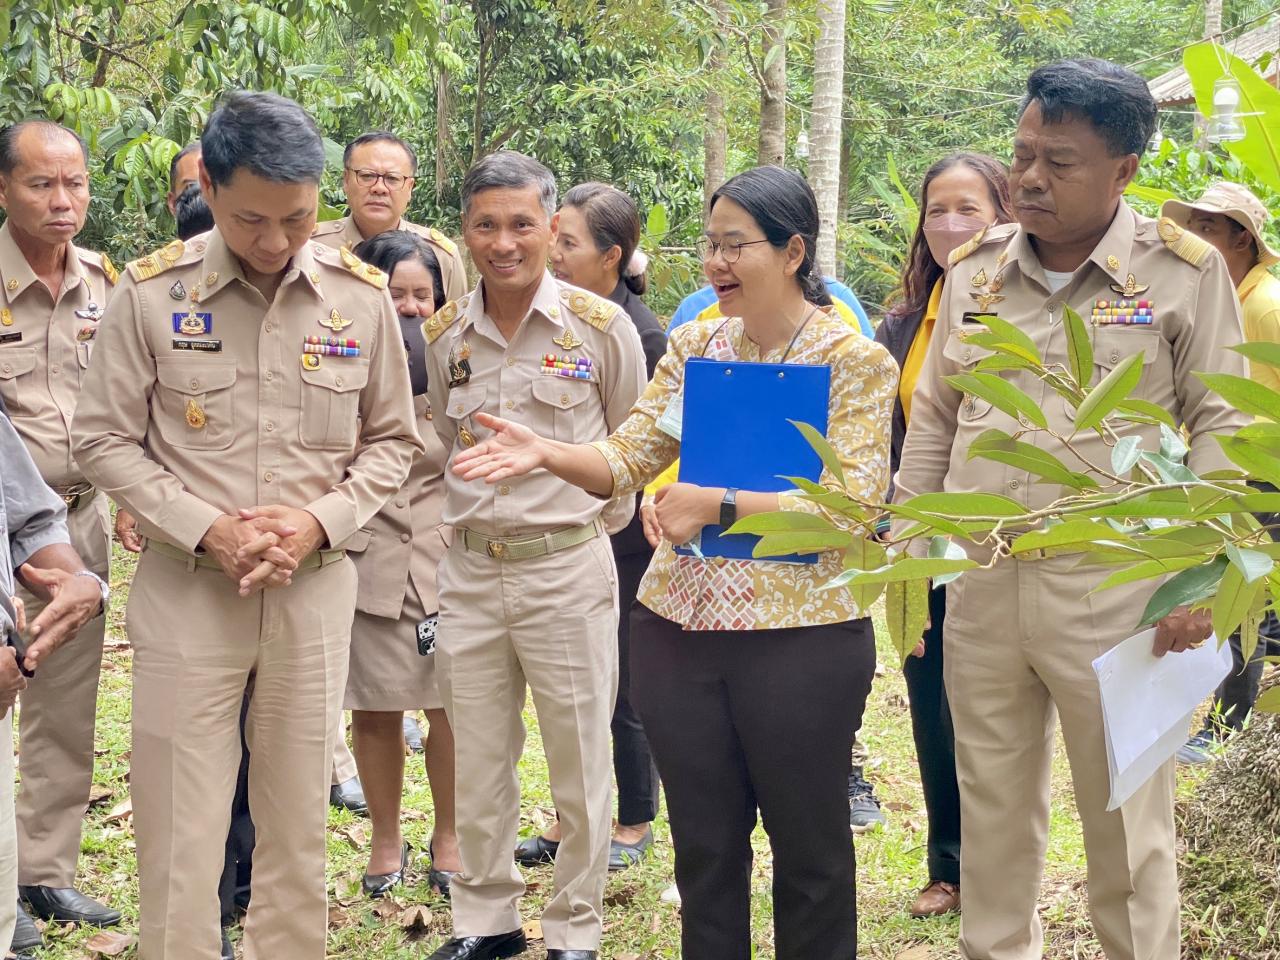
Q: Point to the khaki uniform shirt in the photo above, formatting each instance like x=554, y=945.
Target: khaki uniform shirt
x=404, y=542
x=45, y=343
x=1194, y=318
x=203, y=400
x=507, y=380
x=343, y=232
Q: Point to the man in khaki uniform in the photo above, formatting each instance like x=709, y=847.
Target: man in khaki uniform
x=1021, y=637
x=378, y=177
x=252, y=409
x=528, y=589
x=52, y=294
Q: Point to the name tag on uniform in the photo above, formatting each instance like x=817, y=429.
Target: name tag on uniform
x=203, y=346
x=10, y=337
x=974, y=317
x=672, y=420
x=427, y=635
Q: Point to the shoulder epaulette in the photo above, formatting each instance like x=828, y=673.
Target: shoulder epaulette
x=596, y=311
x=102, y=262
x=443, y=242
x=365, y=271
x=1186, y=245
x=109, y=268
x=326, y=227
x=441, y=320
x=966, y=248
x=156, y=262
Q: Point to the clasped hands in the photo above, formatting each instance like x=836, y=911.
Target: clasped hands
x=262, y=546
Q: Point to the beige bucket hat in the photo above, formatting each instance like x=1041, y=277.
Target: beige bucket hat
x=1231, y=200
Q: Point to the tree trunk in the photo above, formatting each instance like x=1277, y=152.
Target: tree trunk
x=828, y=101
x=714, y=132
x=773, y=88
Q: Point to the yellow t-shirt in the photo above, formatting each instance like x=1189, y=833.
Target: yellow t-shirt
x=1259, y=294
x=914, y=361
x=672, y=473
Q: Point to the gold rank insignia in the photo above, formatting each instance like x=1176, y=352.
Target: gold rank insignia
x=985, y=300
x=578, y=301
x=366, y=272
x=979, y=279
x=466, y=437
x=310, y=361
x=170, y=253
x=196, y=419
x=6, y=317
x=12, y=285
x=1131, y=287
x=110, y=270
x=1113, y=262
x=335, y=321
x=211, y=279
x=567, y=340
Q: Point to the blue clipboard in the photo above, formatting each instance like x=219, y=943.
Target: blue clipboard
x=736, y=433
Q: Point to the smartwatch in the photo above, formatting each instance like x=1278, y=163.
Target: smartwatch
x=729, y=508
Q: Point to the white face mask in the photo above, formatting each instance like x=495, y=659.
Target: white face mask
x=947, y=231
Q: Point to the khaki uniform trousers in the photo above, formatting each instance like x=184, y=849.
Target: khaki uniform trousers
x=550, y=621
x=197, y=645
x=1020, y=641
x=8, y=840
x=56, y=725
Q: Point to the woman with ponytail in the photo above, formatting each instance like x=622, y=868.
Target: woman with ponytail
x=596, y=248
x=750, y=678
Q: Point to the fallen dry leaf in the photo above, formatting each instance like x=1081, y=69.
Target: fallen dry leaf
x=99, y=794
x=338, y=917
x=533, y=930
x=385, y=908
x=915, y=953
x=415, y=919
x=121, y=811
x=110, y=943
x=356, y=836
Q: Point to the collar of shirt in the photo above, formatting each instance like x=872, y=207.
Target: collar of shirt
x=351, y=233
x=1251, y=280
x=1111, y=255
x=546, y=301
x=221, y=266
x=14, y=266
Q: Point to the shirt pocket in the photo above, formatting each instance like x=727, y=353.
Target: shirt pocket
x=967, y=355
x=330, y=408
x=1113, y=347
x=465, y=402
x=193, y=402
x=17, y=380
x=559, y=402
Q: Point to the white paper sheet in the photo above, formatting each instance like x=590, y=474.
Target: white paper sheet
x=1148, y=703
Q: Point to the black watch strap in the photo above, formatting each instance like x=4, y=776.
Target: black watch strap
x=729, y=508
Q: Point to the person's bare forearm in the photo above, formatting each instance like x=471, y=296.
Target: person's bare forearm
x=578, y=464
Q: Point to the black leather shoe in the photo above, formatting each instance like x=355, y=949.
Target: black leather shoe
x=348, y=795
x=571, y=955
x=68, y=905
x=495, y=947
x=26, y=934
x=535, y=850
x=439, y=880
x=377, y=885
x=228, y=951
x=623, y=855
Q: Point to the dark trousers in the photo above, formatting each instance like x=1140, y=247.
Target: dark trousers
x=747, y=720
x=632, y=760
x=237, y=869
x=936, y=746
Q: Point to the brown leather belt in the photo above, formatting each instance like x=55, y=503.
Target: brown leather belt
x=77, y=495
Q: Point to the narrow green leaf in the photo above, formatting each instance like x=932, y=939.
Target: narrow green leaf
x=780, y=521
x=1147, y=570
x=819, y=443
x=1234, y=598
x=1079, y=347
x=657, y=226
x=1144, y=410
x=966, y=504
x=906, y=610
x=799, y=542
x=1106, y=396
x=911, y=568
x=1028, y=457
x=1189, y=586
x=1001, y=394
x=1125, y=454
x=1266, y=352
x=1172, y=445
x=1244, y=394
x=990, y=341
x=1170, y=472
x=1008, y=333
x=865, y=554
x=1252, y=458
x=1252, y=564
x=941, y=548
x=1069, y=534
x=933, y=523
x=1268, y=701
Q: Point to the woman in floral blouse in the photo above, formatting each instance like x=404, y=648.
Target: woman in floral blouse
x=749, y=678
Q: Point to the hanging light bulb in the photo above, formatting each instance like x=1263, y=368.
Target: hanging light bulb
x=802, y=144
x=1225, y=125
x=1156, y=141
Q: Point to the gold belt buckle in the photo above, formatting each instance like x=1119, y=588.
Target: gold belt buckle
x=496, y=549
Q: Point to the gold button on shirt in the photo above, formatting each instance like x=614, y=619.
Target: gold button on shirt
x=45, y=345
x=761, y=594
x=453, y=271
x=197, y=407
x=575, y=410
x=1195, y=317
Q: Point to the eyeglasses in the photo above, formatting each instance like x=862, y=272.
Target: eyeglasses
x=367, y=178
x=708, y=248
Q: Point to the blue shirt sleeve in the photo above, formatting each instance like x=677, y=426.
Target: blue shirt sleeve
x=840, y=290
x=691, y=306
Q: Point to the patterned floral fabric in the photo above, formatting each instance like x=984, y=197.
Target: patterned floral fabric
x=719, y=594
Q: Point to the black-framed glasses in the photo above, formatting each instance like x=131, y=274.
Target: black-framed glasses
x=367, y=178
x=708, y=248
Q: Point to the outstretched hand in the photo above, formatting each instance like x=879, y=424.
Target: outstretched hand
x=512, y=451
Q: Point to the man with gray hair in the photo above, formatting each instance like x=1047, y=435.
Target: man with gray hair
x=251, y=441
x=528, y=588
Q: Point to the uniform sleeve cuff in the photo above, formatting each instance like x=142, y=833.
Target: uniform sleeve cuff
x=336, y=517
x=55, y=534
x=189, y=521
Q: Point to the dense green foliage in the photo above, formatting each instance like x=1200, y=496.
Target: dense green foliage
x=612, y=90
